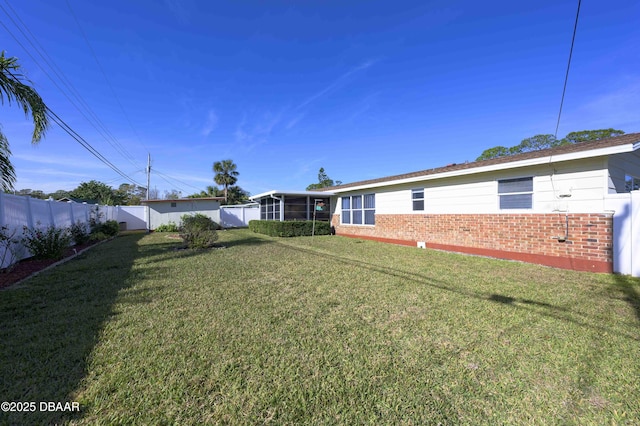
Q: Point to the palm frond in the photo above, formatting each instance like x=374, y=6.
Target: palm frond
x=7, y=172
x=13, y=89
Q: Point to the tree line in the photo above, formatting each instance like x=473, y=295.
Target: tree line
x=538, y=142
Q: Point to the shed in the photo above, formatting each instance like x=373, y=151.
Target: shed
x=161, y=212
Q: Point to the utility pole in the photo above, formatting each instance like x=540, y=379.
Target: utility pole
x=148, y=175
x=148, y=191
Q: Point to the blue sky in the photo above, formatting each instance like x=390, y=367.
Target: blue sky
x=364, y=89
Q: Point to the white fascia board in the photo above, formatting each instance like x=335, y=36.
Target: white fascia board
x=502, y=166
x=294, y=193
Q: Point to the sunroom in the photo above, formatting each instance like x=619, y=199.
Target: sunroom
x=294, y=205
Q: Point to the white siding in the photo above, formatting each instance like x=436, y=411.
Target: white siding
x=621, y=165
x=163, y=213
x=578, y=186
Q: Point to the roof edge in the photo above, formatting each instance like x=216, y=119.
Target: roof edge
x=616, y=145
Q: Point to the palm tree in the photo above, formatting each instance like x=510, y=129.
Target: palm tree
x=14, y=89
x=226, y=175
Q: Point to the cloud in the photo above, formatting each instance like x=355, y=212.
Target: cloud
x=251, y=134
x=340, y=81
x=618, y=109
x=60, y=161
x=179, y=10
x=292, y=122
x=210, y=124
x=363, y=106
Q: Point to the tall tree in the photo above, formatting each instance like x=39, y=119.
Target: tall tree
x=592, y=135
x=14, y=87
x=210, y=192
x=225, y=175
x=132, y=194
x=174, y=194
x=235, y=194
x=324, y=181
x=495, y=152
x=98, y=192
x=538, y=142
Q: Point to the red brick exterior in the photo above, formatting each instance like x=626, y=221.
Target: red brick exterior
x=534, y=238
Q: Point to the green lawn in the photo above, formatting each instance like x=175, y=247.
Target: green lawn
x=324, y=331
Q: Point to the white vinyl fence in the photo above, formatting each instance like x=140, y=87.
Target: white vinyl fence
x=17, y=212
x=626, y=232
x=238, y=216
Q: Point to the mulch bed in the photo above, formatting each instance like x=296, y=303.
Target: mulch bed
x=27, y=267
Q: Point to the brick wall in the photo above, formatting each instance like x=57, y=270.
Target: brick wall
x=535, y=238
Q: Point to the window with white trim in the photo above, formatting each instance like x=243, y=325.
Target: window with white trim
x=269, y=209
x=370, y=209
x=516, y=193
x=359, y=210
x=417, y=198
x=346, y=210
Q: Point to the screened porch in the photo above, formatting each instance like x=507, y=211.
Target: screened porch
x=306, y=205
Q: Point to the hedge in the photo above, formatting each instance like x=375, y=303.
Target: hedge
x=289, y=228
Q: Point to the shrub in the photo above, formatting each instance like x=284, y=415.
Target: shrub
x=49, y=243
x=289, y=228
x=168, y=227
x=110, y=228
x=98, y=236
x=8, y=249
x=198, y=231
x=79, y=233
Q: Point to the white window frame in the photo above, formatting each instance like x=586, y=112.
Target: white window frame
x=514, y=193
x=364, y=212
x=414, y=199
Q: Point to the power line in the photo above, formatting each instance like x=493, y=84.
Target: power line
x=60, y=122
x=104, y=74
x=163, y=176
x=566, y=77
x=95, y=120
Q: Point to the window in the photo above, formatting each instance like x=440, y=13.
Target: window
x=173, y=205
x=516, y=193
x=269, y=209
x=631, y=183
x=356, y=209
x=359, y=209
x=346, y=210
x=417, y=197
x=370, y=209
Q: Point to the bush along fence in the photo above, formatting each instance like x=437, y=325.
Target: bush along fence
x=290, y=228
x=42, y=228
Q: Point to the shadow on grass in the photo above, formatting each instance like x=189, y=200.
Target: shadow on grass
x=542, y=308
x=628, y=287
x=51, y=323
x=248, y=241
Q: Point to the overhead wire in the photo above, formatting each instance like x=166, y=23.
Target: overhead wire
x=95, y=120
x=165, y=177
x=104, y=74
x=60, y=122
x=566, y=77
x=64, y=126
